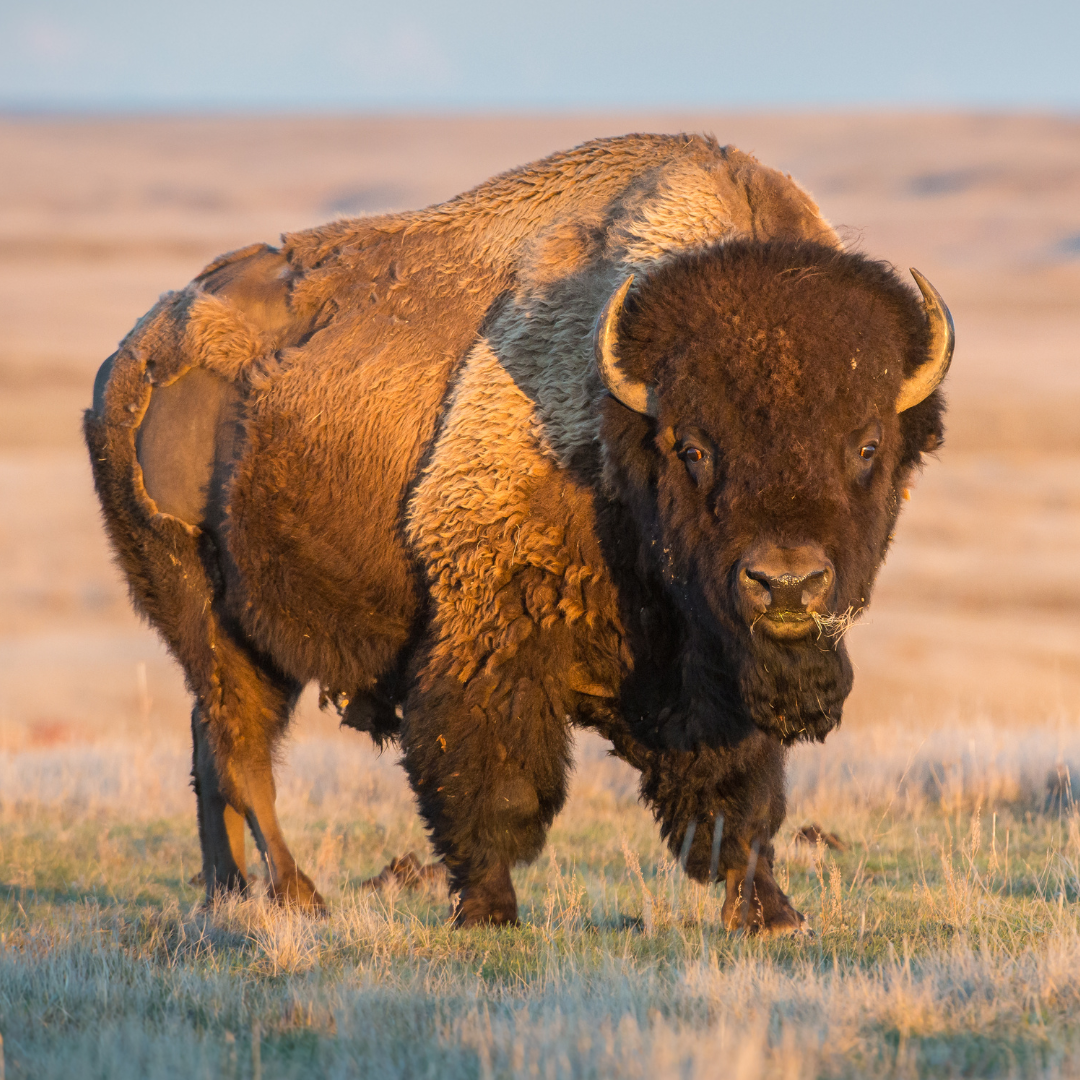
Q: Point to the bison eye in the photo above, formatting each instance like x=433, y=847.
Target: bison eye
x=698, y=464
x=861, y=450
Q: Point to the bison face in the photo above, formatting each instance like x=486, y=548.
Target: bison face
x=765, y=464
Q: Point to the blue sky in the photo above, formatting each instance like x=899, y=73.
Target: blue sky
x=559, y=54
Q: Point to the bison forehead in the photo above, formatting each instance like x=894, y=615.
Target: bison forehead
x=763, y=371
x=770, y=330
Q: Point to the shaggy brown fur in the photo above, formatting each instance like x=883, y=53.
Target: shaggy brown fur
x=419, y=495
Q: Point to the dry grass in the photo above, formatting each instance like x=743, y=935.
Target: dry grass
x=835, y=626
x=947, y=939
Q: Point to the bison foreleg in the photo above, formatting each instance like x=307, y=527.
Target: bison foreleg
x=488, y=761
x=734, y=799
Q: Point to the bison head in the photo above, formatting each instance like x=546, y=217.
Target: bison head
x=770, y=402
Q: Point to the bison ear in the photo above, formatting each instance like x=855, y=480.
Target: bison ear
x=942, y=339
x=633, y=393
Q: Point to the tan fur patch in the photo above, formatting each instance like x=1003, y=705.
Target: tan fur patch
x=688, y=211
x=470, y=522
x=560, y=251
x=219, y=337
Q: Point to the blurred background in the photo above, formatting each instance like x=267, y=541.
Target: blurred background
x=138, y=140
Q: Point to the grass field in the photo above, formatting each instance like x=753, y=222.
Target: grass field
x=947, y=937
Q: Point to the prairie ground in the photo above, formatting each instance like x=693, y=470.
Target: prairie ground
x=946, y=929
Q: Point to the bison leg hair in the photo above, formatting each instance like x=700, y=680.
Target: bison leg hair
x=221, y=827
x=488, y=761
x=733, y=797
x=236, y=730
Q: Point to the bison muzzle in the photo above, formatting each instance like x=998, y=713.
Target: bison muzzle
x=615, y=440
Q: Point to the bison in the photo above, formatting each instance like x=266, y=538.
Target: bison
x=615, y=440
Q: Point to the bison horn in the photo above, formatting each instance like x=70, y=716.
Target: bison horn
x=942, y=338
x=633, y=393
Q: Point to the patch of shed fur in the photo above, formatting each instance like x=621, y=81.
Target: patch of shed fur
x=151, y=354
x=219, y=337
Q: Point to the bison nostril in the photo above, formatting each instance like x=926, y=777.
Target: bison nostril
x=815, y=587
x=771, y=589
x=787, y=592
x=799, y=592
x=756, y=585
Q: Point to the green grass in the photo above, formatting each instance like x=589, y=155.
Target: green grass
x=947, y=935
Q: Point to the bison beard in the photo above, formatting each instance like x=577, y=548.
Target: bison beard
x=733, y=682
x=795, y=692
x=396, y=458
x=729, y=686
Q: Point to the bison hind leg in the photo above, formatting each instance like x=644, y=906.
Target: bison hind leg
x=236, y=727
x=221, y=827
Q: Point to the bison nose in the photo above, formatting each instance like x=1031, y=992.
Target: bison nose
x=777, y=581
x=791, y=592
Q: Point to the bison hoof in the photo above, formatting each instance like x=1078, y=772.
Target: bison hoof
x=790, y=923
x=480, y=913
x=767, y=911
x=784, y=920
x=489, y=901
x=221, y=888
x=298, y=891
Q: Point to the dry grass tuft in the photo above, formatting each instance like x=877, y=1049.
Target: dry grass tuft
x=836, y=625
